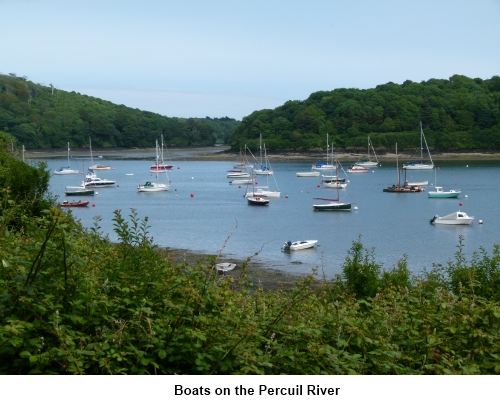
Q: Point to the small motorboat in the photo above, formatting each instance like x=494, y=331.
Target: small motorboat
x=299, y=245
x=225, y=266
x=71, y=204
x=440, y=193
x=456, y=218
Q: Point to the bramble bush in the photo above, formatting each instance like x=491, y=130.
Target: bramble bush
x=71, y=302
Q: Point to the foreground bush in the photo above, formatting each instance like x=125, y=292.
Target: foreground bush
x=73, y=303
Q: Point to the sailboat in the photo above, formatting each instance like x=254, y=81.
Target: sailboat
x=253, y=199
x=96, y=166
x=405, y=188
x=333, y=204
x=264, y=164
x=66, y=169
x=151, y=187
x=440, y=193
x=160, y=166
x=420, y=165
x=367, y=162
x=265, y=191
x=333, y=181
x=324, y=165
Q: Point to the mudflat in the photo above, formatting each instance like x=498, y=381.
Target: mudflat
x=223, y=153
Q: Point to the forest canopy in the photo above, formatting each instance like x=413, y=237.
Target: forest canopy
x=45, y=117
x=457, y=114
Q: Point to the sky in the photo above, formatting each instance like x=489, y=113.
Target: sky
x=218, y=58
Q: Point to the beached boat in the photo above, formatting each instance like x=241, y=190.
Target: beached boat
x=299, y=245
x=223, y=267
x=455, y=218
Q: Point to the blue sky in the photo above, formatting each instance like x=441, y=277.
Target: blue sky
x=229, y=58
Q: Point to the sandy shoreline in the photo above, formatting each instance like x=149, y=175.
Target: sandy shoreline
x=221, y=153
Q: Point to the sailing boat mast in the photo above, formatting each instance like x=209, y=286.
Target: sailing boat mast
x=397, y=164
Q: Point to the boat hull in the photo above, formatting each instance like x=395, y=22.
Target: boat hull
x=418, y=166
x=257, y=201
x=299, y=245
x=334, y=206
x=444, y=194
x=307, y=174
x=152, y=187
x=455, y=218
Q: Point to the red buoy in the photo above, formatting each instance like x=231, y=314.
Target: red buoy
x=192, y=195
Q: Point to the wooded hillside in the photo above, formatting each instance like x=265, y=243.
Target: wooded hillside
x=457, y=114
x=45, y=117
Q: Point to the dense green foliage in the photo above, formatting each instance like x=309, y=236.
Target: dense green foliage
x=71, y=302
x=44, y=117
x=457, y=114
x=23, y=188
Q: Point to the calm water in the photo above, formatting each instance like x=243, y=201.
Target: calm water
x=394, y=224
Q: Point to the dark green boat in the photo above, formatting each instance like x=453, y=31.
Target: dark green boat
x=77, y=191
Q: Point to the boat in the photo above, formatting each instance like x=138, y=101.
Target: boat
x=71, y=204
x=92, y=181
x=160, y=166
x=333, y=204
x=264, y=169
x=299, y=245
x=405, y=188
x=368, y=162
x=96, y=166
x=419, y=164
x=74, y=191
x=455, y=218
x=263, y=191
x=257, y=201
x=254, y=199
x=153, y=186
x=243, y=163
x=67, y=169
x=357, y=169
x=238, y=175
x=418, y=183
x=325, y=165
x=440, y=193
x=308, y=174
x=223, y=267
x=333, y=182
x=238, y=182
